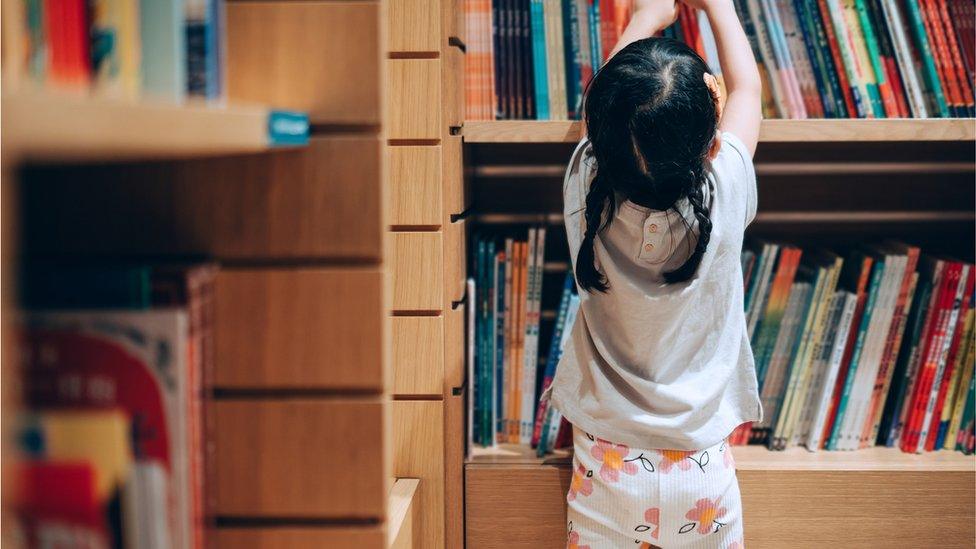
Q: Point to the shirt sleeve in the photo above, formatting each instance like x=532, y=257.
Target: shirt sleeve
x=736, y=169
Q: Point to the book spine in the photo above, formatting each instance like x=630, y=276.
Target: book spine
x=571, y=43
x=845, y=46
x=955, y=59
x=539, y=62
x=812, y=39
x=887, y=96
x=848, y=89
x=802, y=62
x=959, y=403
x=903, y=59
x=553, y=358
x=957, y=358
x=836, y=355
x=930, y=72
x=860, y=50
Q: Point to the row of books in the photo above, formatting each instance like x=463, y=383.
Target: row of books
x=532, y=59
x=164, y=49
x=504, y=342
x=875, y=347
x=115, y=361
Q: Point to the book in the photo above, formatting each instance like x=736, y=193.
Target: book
x=163, y=64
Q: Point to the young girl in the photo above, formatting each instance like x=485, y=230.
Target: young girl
x=658, y=371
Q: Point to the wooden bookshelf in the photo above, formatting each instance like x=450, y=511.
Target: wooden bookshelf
x=773, y=131
x=46, y=127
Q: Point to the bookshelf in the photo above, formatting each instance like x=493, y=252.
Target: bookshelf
x=821, y=182
x=48, y=127
x=773, y=131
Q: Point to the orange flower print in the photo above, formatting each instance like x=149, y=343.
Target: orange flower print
x=675, y=458
x=573, y=542
x=613, y=456
x=653, y=519
x=736, y=545
x=581, y=484
x=706, y=514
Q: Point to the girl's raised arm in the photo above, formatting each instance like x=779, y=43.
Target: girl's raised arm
x=743, y=107
x=650, y=16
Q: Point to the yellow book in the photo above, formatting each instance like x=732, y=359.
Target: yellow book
x=100, y=438
x=965, y=368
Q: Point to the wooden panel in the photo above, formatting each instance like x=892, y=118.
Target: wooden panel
x=782, y=508
x=403, y=509
x=323, y=201
x=415, y=99
x=293, y=537
x=300, y=328
x=418, y=452
x=289, y=458
x=453, y=85
x=418, y=355
x=415, y=183
x=454, y=470
x=456, y=196
x=414, y=25
x=453, y=18
x=454, y=348
x=299, y=55
x=455, y=261
x=418, y=271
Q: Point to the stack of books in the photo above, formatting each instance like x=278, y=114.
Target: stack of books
x=115, y=361
x=872, y=347
x=161, y=49
x=532, y=59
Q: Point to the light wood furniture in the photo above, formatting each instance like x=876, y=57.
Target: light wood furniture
x=427, y=233
x=821, y=183
x=300, y=435
x=402, y=514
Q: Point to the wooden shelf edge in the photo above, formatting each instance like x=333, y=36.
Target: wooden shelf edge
x=42, y=126
x=758, y=458
x=773, y=131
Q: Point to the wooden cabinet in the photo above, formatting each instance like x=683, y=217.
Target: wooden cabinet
x=418, y=271
x=307, y=55
x=418, y=355
x=414, y=99
x=308, y=328
x=414, y=25
x=417, y=193
x=300, y=458
x=418, y=452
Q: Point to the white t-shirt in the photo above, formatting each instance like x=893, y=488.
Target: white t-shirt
x=657, y=365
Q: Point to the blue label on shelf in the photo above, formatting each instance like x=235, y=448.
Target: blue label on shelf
x=287, y=128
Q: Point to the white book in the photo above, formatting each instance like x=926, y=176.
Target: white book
x=877, y=335
x=943, y=356
x=825, y=391
x=903, y=56
x=818, y=369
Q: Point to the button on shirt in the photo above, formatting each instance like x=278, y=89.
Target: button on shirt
x=657, y=365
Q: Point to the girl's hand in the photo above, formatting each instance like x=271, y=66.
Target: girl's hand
x=698, y=4
x=656, y=13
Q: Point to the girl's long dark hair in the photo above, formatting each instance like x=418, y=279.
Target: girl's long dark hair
x=651, y=120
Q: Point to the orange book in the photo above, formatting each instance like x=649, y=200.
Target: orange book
x=518, y=328
x=940, y=54
x=955, y=57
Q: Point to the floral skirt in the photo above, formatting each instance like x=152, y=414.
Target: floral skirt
x=622, y=497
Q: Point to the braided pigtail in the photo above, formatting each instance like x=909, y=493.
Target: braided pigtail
x=697, y=200
x=597, y=199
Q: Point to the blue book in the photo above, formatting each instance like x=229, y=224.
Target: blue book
x=202, y=41
x=596, y=47
x=540, y=70
x=571, y=46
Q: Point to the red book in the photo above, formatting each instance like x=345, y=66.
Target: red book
x=963, y=14
x=940, y=54
x=955, y=60
x=929, y=357
x=950, y=362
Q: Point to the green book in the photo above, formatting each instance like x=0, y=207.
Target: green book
x=929, y=72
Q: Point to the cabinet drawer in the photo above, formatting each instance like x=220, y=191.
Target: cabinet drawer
x=418, y=271
x=415, y=99
x=320, y=57
x=299, y=328
x=299, y=458
x=418, y=452
x=288, y=537
x=321, y=201
x=414, y=25
x=416, y=185
x=418, y=355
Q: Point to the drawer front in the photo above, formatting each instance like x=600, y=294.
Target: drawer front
x=418, y=271
x=415, y=99
x=418, y=452
x=290, y=458
x=416, y=185
x=418, y=355
x=414, y=25
x=299, y=328
x=333, y=537
x=307, y=56
x=323, y=201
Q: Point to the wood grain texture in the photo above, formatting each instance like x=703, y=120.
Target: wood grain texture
x=298, y=55
x=324, y=202
x=402, y=514
x=293, y=537
x=452, y=84
x=292, y=458
x=454, y=408
x=299, y=328
x=414, y=25
x=782, y=508
x=454, y=349
x=416, y=185
x=414, y=109
x=418, y=271
x=418, y=452
x=418, y=355
x=455, y=261
x=452, y=20
x=457, y=197
x=773, y=131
